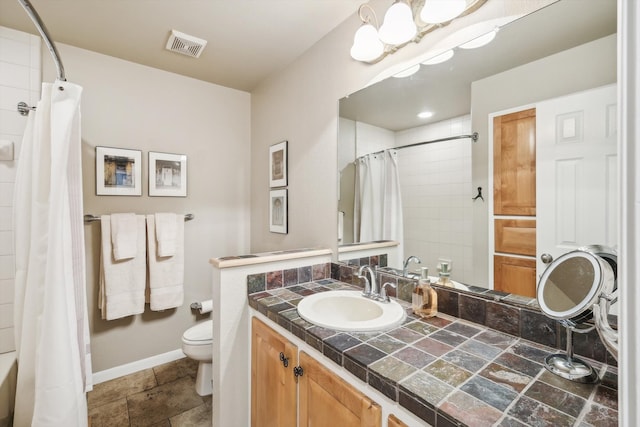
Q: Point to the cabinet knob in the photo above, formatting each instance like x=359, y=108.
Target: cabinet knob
x=298, y=371
x=284, y=360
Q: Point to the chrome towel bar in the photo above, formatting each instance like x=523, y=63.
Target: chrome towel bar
x=92, y=218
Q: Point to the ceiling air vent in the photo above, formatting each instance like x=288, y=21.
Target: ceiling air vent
x=185, y=44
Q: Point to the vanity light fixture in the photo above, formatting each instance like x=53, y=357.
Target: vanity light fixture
x=398, y=26
x=366, y=43
x=439, y=11
x=372, y=41
x=480, y=41
x=439, y=58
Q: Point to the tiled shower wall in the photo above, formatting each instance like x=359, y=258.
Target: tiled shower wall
x=20, y=80
x=436, y=195
x=436, y=189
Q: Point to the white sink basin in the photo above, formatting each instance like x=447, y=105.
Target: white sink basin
x=350, y=311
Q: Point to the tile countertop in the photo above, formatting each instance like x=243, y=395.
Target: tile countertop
x=448, y=371
x=265, y=257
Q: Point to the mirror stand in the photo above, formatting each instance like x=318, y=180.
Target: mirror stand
x=567, y=365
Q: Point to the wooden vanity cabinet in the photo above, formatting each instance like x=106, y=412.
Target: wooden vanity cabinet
x=393, y=421
x=273, y=385
x=324, y=399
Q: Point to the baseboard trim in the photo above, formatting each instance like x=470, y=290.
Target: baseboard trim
x=138, y=365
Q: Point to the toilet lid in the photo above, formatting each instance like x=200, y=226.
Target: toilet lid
x=200, y=332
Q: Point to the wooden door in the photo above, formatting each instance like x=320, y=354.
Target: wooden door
x=578, y=193
x=515, y=236
x=273, y=386
x=328, y=401
x=515, y=275
x=514, y=163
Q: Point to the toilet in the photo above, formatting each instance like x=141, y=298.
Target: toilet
x=196, y=344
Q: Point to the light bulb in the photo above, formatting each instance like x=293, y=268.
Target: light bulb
x=366, y=44
x=398, y=26
x=437, y=11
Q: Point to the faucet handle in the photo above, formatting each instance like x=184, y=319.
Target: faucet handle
x=367, y=286
x=383, y=292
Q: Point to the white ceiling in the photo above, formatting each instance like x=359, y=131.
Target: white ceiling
x=248, y=40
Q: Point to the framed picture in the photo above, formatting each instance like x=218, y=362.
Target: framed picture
x=118, y=172
x=167, y=174
x=278, y=165
x=278, y=211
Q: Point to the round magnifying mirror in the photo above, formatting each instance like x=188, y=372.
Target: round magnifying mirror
x=569, y=290
x=572, y=283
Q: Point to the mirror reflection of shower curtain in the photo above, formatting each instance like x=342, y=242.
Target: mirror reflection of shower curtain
x=378, y=202
x=50, y=307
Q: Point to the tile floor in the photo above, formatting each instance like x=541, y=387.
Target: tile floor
x=163, y=396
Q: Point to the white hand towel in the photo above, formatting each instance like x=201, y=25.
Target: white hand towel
x=165, y=233
x=122, y=283
x=166, y=274
x=124, y=235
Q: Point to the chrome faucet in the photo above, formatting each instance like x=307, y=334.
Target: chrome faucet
x=370, y=286
x=405, y=267
x=384, y=297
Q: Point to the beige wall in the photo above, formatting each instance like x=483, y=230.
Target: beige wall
x=587, y=66
x=130, y=106
x=300, y=104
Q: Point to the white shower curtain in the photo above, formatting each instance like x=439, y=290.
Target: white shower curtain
x=378, y=202
x=51, y=325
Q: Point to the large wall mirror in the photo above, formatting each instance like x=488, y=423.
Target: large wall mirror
x=562, y=49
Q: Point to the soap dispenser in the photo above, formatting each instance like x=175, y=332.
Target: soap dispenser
x=424, y=300
x=444, y=273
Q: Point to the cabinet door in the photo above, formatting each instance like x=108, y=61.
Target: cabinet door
x=514, y=163
x=393, y=421
x=328, y=401
x=515, y=236
x=515, y=275
x=273, y=386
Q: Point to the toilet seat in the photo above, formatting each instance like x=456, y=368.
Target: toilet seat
x=200, y=334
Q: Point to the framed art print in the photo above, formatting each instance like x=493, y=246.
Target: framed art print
x=167, y=174
x=278, y=211
x=118, y=172
x=278, y=165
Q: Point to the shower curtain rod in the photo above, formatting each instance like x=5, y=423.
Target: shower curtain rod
x=23, y=107
x=473, y=136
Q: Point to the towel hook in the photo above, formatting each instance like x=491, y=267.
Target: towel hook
x=479, y=195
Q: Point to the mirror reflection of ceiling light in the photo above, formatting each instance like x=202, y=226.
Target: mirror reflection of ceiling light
x=425, y=114
x=438, y=11
x=480, y=41
x=408, y=72
x=442, y=57
x=398, y=26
